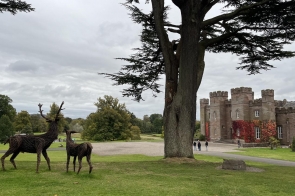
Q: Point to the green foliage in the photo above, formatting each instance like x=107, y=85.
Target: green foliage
x=254, y=30
x=22, y=123
x=62, y=123
x=142, y=175
x=14, y=6
x=135, y=133
x=202, y=137
x=273, y=142
x=157, y=122
x=6, y=128
x=110, y=122
x=39, y=124
x=6, y=108
x=77, y=125
x=293, y=144
x=150, y=124
x=198, y=126
x=27, y=130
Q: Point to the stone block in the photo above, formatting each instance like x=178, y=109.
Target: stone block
x=233, y=164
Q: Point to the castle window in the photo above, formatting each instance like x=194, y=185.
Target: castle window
x=280, y=132
x=230, y=114
x=214, y=115
x=257, y=132
x=256, y=113
x=238, y=132
x=209, y=116
x=237, y=114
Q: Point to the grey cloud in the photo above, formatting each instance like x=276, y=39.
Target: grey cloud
x=22, y=66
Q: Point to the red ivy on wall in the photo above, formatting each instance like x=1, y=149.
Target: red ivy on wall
x=268, y=129
x=207, y=132
x=247, y=130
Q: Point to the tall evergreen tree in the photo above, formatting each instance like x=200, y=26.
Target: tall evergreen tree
x=255, y=30
x=14, y=6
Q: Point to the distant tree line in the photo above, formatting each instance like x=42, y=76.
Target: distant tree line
x=111, y=121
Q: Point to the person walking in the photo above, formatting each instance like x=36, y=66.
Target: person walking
x=206, y=144
x=195, y=146
x=199, y=145
x=239, y=143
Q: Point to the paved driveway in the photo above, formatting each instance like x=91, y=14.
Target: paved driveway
x=149, y=148
x=157, y=149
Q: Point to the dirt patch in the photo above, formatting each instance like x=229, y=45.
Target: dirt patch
x=180, y=160
x=248, y=169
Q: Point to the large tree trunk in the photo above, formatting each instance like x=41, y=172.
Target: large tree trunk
x=183, y=77
x=180, y=114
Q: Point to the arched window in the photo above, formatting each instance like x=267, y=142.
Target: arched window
x=214, y=115
x=237, y=114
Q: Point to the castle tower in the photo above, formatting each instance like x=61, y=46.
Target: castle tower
x=217, y=114
x=268, y=105
x=240, y=98
x=204, y=115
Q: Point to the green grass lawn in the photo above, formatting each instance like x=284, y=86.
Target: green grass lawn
x=279, y=153
x=142, y=175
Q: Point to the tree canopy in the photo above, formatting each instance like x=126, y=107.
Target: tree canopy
x=255, y=30
x=6, y=108
x=14, y=6
x=22, y=123
x=111, y=121
x=62, y=124
x=6, y=128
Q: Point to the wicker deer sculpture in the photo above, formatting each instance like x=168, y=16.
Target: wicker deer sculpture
x=78, y=150
x=33, y=144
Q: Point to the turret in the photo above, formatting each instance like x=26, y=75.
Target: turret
x=268, y=104
x=204, y=104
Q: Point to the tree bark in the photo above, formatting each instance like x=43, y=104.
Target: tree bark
x=180, y=113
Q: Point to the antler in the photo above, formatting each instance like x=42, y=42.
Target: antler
x=60, y=108
x=40, y=106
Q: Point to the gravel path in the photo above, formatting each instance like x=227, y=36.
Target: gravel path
x=157, y=149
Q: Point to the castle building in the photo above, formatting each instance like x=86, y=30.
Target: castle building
x=230, y=119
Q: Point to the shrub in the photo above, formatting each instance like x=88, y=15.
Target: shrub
x=273, y=142
x=293, y=144
x=202, y=137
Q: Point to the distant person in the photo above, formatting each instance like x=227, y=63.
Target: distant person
x=199, y=145
x=239, y=143
x=195, y=146
x=206, y=144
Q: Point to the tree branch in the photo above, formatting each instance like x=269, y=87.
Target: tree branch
x=239, y=11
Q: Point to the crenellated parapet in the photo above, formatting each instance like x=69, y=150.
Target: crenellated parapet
x=204, y=101
x=281, y=110
x=256, y=102
x=219, y=94
x=267, y=92
x=241, y=90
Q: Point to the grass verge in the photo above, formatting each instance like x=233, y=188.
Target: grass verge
x=142, y=175
x=279, y=153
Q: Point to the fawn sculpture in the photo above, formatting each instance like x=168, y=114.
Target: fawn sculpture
x=80, y=150
x=32, y=143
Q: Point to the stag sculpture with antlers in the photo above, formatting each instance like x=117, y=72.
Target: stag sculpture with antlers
x=33, y=144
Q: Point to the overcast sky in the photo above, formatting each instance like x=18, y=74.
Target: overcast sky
x=54, y=54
